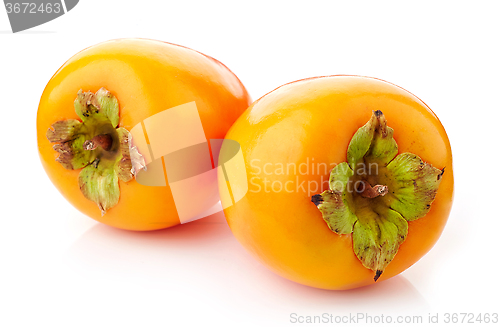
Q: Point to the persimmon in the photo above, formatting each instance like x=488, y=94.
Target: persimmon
x=344, y=181
x=125, y=128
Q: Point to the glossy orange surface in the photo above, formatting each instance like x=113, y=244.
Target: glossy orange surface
x=307, y=124
x=146, y=77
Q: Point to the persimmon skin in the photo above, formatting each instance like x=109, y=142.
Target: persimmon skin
x=313, y=120
x=147, y=77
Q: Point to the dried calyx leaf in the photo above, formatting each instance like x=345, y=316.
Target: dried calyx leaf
x=95, y=144
x=376, y=192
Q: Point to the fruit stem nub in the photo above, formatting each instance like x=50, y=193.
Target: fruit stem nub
x=105, y=141
x=367, y=191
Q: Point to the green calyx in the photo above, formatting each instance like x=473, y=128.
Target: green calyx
x=97, y=146
x=376, y=193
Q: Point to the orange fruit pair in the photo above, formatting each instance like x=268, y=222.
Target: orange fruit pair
x=333, y=182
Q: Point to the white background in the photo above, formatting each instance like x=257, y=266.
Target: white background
x=60, y=268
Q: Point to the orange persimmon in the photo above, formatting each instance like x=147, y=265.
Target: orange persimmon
x=304, y=200
x=128, y=108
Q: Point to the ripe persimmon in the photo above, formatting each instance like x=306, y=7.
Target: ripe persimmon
x=344, y=181
x=125, y=127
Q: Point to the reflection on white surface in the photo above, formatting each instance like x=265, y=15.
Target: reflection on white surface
x=203, y=259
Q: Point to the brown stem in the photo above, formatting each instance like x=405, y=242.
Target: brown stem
x=367, y=191
x=105, y=141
